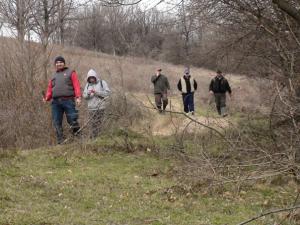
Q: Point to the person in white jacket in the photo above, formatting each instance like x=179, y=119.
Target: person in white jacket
x=96, y=92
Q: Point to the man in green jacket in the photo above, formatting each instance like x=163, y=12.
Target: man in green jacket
x=161, y=87
x=218, y=87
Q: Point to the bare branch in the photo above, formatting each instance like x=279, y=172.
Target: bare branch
x=288, y=8
x=268, y=213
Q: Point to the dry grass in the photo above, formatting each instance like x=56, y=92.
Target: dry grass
x=136, y=74
x=26, y=121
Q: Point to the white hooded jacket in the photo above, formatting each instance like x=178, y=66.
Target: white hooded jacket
x=98, y=99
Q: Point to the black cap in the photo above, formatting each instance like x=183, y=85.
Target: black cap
x=219, y=72
x=60, y=59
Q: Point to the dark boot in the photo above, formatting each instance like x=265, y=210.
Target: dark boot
x=76, y=129
x=159, y=108
x=59, y=135
x=219, y=110
x=165, y=103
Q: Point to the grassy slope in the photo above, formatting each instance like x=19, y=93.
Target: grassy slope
x=74, y=185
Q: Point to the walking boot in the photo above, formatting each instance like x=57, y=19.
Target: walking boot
x=59, y=134
x=219, y=111
x=223, y=112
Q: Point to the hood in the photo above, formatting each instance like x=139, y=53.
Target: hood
x=92, y=73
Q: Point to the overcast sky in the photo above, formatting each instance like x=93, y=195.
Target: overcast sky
x=161, y=5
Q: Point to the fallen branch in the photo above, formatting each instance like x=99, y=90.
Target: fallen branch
x=268, y=213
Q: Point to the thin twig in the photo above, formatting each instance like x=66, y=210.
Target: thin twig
x=87, y=122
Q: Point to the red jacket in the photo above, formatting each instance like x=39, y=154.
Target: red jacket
x=76, y=86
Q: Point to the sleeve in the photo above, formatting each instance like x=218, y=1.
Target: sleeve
x=228, y=87
x=211, y=85
x=179, y=85
x=48, y=96
x=195, y=85
x=153, y=79
x=85, y=92
x=103, y=92
x=76, y=84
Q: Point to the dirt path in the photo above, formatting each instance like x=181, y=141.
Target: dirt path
x=171, y=123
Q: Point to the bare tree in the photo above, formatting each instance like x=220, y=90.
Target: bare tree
x=17, y=14
x=114, y=3
x=264, y=36
x=289, y=7
x=186, y=29
x=119, y=30
x=49, y=17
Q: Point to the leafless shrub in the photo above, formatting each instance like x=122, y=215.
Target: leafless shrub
x=21, y=96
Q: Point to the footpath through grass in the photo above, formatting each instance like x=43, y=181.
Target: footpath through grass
x=73, y=185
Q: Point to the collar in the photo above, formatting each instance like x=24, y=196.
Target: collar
x=62, y=69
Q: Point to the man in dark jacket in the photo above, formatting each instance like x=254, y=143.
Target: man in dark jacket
x=187, y=85
x=161, y=87
x=218, y=87
x=64, y=91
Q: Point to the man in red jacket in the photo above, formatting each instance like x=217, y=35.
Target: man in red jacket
x=64, y=91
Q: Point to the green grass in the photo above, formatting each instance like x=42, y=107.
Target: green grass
x=74, y=185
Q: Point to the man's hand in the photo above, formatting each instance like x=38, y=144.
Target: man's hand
x=211, y=92
x=44, y=98
x=78, y=101
x=91, y=93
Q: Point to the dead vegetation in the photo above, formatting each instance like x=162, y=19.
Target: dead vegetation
x=26, y=121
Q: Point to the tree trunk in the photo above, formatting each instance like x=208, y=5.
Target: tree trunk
x=288, y=8
x=20, y=4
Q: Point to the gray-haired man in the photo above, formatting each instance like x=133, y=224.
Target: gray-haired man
x=161, y=87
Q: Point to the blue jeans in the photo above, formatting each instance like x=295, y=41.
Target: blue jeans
x=188, y=102
x=59, y=107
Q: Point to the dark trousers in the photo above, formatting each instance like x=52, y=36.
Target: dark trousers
x=161, y=100
x=188, y=102
x=96, y=119
x=59, y=108
x=220, y=99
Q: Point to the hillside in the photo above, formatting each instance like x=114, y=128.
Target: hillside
x=145, y=168
x=131, y=164
x=97, y=184
x=131, y=76
x=128, y=78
